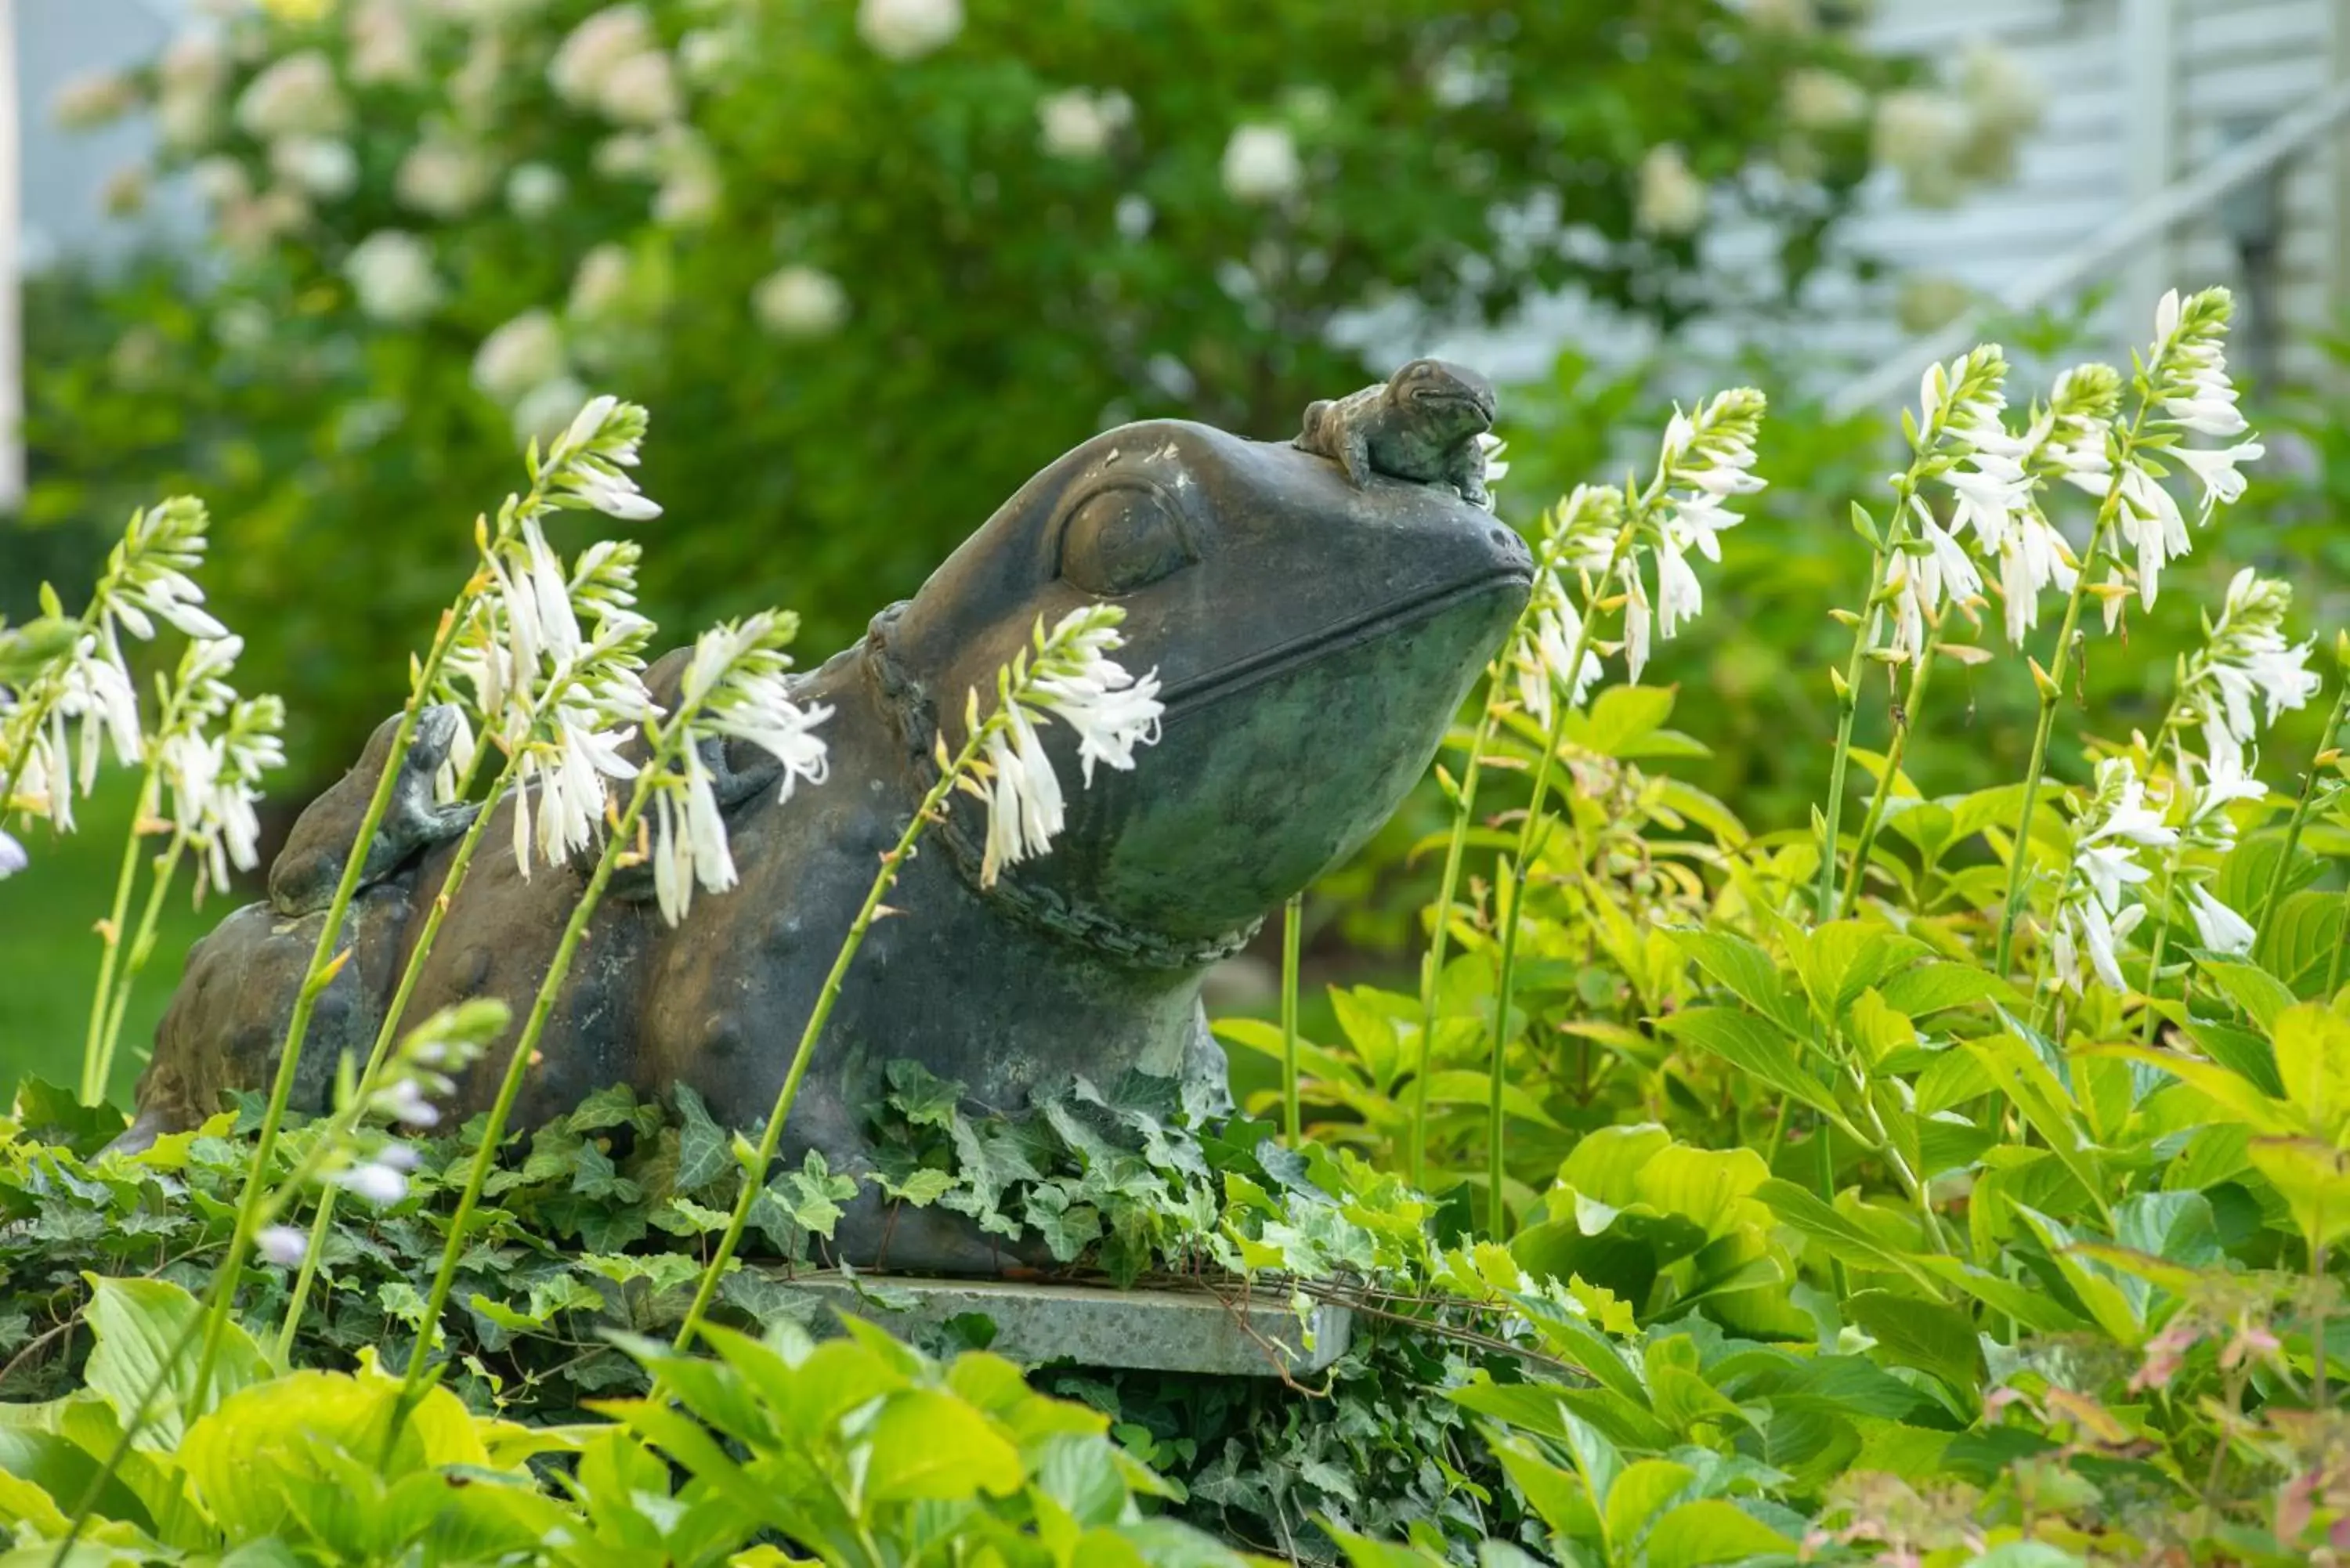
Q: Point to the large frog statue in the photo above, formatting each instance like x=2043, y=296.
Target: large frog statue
x=1314, y=632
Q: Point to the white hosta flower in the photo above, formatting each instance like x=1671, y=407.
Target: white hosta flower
x=905, y=30
x=1541, y=658
x=800, y=302
x=281, y=1244
x=2083, y=923
x=13, y=857
x=534, y=190
x=1261, y=164
x=2035, y=557
x=377, y=1180
x=293, y=96
x=2222, y=486
x=2154, y=528
x=2220, y=929
x=1678, y=596
x=1989, y=495
x=1637, y=618
x=1077, y=124
x=2246, y=659
x=1071, y=677
x=1671, y=199
x=569, y=769
x=1024, y=798
x=1490, y=447
x=525, y=352
x=2119, y=812
x=403, y=1100
x=2190, y=363
x=392, y=277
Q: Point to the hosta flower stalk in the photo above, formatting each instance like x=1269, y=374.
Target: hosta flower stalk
x=1066, y=674
x=2180, y=387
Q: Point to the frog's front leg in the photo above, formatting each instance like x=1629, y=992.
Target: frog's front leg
x=1352, y=450
x=1464, y=470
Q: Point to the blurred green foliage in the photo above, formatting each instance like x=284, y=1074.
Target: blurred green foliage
x=1003, y=282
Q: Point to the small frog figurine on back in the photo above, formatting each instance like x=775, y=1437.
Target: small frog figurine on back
x=1421, y=424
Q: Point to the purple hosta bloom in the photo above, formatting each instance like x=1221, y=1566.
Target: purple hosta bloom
x=282, y=1245
x=1071, y=677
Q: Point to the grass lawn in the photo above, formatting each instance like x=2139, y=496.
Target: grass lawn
x=48, y=952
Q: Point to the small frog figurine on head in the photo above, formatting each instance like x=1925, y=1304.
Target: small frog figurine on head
x=1419, y=424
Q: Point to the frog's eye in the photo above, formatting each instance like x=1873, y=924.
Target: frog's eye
x=1121, y=538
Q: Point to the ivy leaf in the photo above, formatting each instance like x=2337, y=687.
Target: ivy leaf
x=921, y=1188
x=701, y=1144
x=813, y=1195
x=921, y=1097
x=1068, y=1229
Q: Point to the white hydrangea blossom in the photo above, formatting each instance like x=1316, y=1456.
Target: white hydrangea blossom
x=295, y=95
x=1077, y=123
x=800, y=301
x=1261, y=164
x=1671, y=199
x=393, y=278
x=905, y=30
x=1066, y=674
x=524, y=353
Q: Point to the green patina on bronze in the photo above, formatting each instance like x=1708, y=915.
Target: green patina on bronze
x=1314, y=632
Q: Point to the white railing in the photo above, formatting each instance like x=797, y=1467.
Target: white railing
x=2184, y=197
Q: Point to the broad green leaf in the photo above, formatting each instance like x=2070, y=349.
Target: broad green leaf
x=1939, y=985
x=1924, y=1335
x=1756, y=1048
x=927, y=1444
x=2031, y=1306
x=1711, y=1531
x=1710, y=1186
x=149, y=1334
x=2118, y=1305
x=2260, y=994
x=1620, y=718
x=2026, y=1079
x=1746, y=971
x=1605, y=1164
x=2229, y=1092
x=1806, y=1214
x=2312, y=1059
x=2313, y=1179
x=1639, y=1493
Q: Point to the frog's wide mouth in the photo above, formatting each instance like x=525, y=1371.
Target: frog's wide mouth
x=1199, y=690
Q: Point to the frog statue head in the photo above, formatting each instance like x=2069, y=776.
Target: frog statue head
x=1313, y=641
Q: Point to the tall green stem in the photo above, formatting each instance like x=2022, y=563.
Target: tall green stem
x=324, y=965
x=142, y=948
x=93, y=1063
x=1292, y=919
x=754, y=1179
x=1863, y=637
x=622, y=836
x=388, y=1031
x=1506, y=978
x=1432, y=965
x=2275, y=895
x=1904, y=721
x=2051, y=692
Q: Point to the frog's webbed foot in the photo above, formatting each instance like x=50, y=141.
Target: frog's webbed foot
x=1465, y=473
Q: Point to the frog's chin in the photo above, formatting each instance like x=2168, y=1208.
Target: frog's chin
x=1277, y=768
x=1369, y=626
